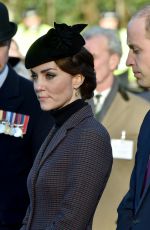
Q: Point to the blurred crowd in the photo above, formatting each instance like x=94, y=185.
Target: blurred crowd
x=31, y=27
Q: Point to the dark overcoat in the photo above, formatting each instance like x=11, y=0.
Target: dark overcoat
x=133, y=211
x=17, y=153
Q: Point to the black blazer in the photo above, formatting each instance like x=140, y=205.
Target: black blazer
x=16, y=153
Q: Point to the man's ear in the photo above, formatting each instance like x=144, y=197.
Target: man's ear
x=77, y=80
x=114, y=61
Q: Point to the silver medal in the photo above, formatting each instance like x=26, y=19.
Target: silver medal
x=18, y=132
x=2, y=128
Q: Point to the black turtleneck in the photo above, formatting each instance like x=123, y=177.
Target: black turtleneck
x=62, y=115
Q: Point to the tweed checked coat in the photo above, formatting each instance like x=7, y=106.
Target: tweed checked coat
x=69, y=175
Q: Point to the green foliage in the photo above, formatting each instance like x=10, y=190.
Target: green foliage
x=73, y=11
x=134, y=5
x=106, y=5
x=65, y=11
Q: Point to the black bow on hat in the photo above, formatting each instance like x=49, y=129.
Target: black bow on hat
x=59, y=42
x=7, y=28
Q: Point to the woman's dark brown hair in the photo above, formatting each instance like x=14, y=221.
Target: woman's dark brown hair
x=81, y=63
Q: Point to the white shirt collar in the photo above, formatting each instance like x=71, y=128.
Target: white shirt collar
x=104, y=95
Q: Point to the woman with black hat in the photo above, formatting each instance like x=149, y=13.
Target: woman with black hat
x=72, y=166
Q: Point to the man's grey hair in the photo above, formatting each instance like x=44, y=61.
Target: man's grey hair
x=144, y=12
x=114, y=43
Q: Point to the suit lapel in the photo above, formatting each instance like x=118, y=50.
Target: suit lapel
x=142, y=198
x=108, y=100
x=141, y=175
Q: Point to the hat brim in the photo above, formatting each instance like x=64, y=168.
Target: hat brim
x=10, y=33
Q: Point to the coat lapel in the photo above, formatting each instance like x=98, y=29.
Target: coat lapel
x=54, y=141
x=108, y=100
x=54, y=138
x=141, y=175
x=43, y=147
x=142, y=198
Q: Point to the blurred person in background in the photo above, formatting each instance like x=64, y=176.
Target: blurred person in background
x=111, y=20
x=116, y=109
x=16, y=60
x=23, y=127
x=30, y=29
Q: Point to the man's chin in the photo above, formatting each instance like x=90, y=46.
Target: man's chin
x=1, y=68
x=143, y=84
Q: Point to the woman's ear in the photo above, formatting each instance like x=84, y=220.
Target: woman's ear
x=77, y=80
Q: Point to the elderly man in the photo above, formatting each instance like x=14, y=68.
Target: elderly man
x=121, y=113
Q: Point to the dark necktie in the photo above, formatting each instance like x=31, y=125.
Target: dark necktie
x=97, y=105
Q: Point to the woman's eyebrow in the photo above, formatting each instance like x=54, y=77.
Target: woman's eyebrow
x=44, y=70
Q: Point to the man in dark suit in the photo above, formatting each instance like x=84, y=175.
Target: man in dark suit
x=23, y=128
x=133, y=211
x=116, y=111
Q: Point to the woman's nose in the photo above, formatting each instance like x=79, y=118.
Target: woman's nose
x=38, y=85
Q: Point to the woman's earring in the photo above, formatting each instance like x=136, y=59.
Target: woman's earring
x=77, y=93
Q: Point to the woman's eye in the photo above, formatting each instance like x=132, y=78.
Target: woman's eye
x=33, y=76
x=50, y=75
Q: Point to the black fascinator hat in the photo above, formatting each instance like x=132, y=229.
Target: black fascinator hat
x=59, y=42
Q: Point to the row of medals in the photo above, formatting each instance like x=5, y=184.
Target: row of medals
x=11, y=129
